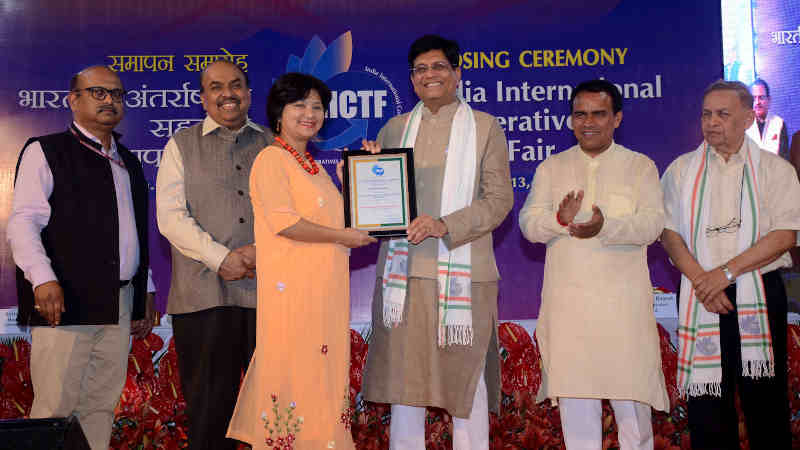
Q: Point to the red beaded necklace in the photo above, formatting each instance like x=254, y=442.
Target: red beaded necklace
x=313, y=169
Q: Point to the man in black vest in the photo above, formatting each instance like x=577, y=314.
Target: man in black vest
x=78, y=234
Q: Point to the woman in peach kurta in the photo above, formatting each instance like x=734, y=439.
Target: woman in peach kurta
x=295, y=393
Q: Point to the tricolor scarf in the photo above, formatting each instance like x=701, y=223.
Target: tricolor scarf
x=454, y=273
x=699, y=358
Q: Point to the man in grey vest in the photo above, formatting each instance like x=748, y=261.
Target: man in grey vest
x=203, y=208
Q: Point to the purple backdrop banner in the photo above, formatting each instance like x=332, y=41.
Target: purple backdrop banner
x=520, y=61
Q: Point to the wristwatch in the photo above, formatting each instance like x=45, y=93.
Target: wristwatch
x=728, y=273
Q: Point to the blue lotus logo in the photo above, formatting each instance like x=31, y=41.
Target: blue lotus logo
x=377, y=170
x=359, y=98
x=324, y=63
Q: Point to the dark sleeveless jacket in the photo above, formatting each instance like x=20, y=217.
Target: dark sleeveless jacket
x=82, y=236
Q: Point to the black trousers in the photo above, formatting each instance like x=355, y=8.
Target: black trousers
x=214, y=347
x=713, y=421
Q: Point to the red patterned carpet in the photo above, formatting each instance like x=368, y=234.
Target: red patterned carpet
x=150, y=412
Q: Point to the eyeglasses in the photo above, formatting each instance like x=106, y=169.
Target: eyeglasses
x=731, y=227
x=437, y=67
x=99, y=93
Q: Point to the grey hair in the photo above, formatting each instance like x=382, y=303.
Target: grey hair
x=745, y=97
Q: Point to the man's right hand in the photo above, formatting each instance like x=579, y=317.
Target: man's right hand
x=569, y=207
x=234, y=267
x=370, y=146
x=49, y=301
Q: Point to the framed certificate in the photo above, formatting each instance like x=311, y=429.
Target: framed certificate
x=378, y=191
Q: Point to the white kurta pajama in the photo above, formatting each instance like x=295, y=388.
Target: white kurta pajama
x=596, y=329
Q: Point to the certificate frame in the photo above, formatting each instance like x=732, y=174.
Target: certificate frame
x=360, y=211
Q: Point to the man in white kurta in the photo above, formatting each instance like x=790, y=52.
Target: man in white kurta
x=597, y=206
x=732, y=212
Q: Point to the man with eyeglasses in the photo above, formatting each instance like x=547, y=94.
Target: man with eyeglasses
x=204, y=210
x=597, y=206
x=78, y=233
x=434, y=313
x=732, y=213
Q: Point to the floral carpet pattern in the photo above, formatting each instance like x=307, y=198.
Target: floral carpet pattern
x=150, y=413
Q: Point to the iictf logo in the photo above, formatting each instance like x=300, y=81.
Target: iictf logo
x=362, y=101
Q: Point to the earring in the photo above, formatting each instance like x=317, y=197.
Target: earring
x=278, y=127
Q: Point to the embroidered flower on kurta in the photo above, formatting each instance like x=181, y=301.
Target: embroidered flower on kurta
x=331, y=444
x=347, y=410
x=324, y=349
x=281, y=286
x=281, y=431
